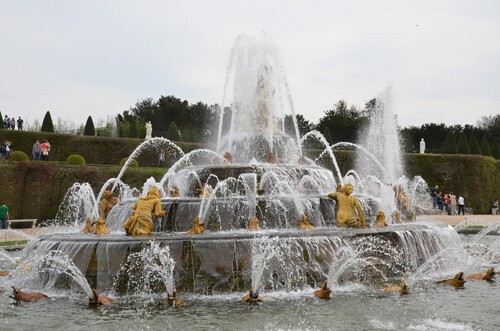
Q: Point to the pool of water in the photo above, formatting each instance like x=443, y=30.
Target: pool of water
x=429, y=306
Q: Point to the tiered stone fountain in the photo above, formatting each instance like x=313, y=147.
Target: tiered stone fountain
x=265, y=175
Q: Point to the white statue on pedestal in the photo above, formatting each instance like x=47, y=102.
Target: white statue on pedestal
x=149, y=130
x=422, y=146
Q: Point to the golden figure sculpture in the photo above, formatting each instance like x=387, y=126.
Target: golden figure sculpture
x=19, y=295
x=173, y=300
x=396, y=217
x=402, y=289
x=402, y=201
x=89, y=226
x=271, y=158
x=347, y=206
x=175, y=192
x=107, y=202
x=141, y=221
x=205, y=191
x=323, y=292
x=197, y=227
x=99, y=300
x=254, y=224
x=490, y=273
x=457, y=281
x=380, y=220
x=228, y=158
x=304, y=223
x=252, y=297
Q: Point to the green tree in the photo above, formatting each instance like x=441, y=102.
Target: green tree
x=47, y=125
x=173, y=132
x=89, y=127
x=450, y=145
x=495, y=150
x=463, y=145
x=485, y=147
x=474, y=145
x=343, y=122
x=132, y=133
x=1, y=121
x=328, y=135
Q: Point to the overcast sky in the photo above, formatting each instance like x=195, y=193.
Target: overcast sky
x=81, y=58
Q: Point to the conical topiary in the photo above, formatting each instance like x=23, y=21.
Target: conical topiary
x=495, y=150
x=450, y=146
x=328, y=135
x=47, y=125
x=173, y=132
x=89, y=127
x=485, y=147
x=463, y=145
x=132, y=133
x=474, y=145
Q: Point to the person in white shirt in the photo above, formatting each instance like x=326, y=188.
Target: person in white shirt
x=461, y=204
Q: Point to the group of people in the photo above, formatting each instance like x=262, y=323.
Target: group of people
x=447, y=202
x=41, y=151
x=10, y=123
x=5, y=149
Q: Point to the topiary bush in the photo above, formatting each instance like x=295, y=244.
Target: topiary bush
x=75, y=159
x=19, y=156
x=133, y=164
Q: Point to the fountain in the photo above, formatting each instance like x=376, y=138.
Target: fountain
x=267, y=221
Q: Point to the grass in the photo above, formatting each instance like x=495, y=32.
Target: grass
x=12, y=243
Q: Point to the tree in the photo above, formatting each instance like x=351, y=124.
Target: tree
x=1, y=121
x=343, y=122
x=485, y=147
x=450, y=146
x=463, y=145
x=132, y=133
x=89, y=127
x=328, y=136
x=495, y=150
x=304, y=125
x=173, y=132
x=47, y=125
x=474, y=145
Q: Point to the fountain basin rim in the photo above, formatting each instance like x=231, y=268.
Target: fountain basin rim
x=240, y=235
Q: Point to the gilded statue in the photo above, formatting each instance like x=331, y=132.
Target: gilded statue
x=347, y=207
x=141, y=221
x=303, y=223
x=254, y=224
x=323, y=292
x=89, y=226
x=198, y=228
x=205, y=191
x=107, y=202
x=228, y=158
x=175, y=192
x=380, y=220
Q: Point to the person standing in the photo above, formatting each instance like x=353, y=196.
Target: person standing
x=37, y=150
x=45, y=148
x=161, y=158
x=4, y=216
x=453, y=204
x=461, y=204
x=13, y=123
x=20, y=123
x=6, y=122
x=434, y=197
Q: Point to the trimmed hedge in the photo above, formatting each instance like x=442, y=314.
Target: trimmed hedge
x=19, y=156
x=133, y=163
x=95, y=150
x=75, y=159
